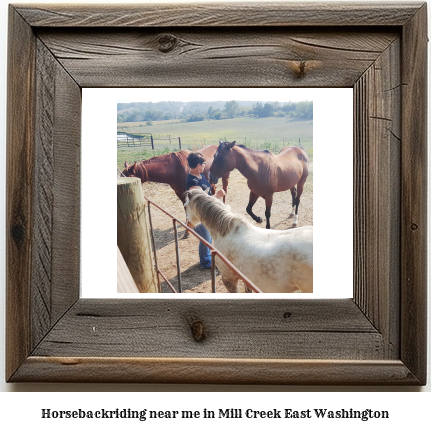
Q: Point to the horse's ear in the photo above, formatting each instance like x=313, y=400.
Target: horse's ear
x=221, y=141
x=231, y=144
x=130, y=168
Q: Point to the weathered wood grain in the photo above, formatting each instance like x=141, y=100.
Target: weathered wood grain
x=377, y=192
x=221, y=15
x=67, y=193
x=55, y=284
x=43, y=189
x=242, y=58
x=215, y=371
x=414, y=171
x=19, y=191
x=387, y=125
x=44, y=194
x=248, y=329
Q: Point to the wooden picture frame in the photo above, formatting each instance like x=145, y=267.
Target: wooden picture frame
x=378, y=337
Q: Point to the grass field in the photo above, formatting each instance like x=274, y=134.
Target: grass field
x=272, y=133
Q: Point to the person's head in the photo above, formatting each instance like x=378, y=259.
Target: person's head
x=195, y=159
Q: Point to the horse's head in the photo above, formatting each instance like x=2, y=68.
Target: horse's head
x=192, y=216
x=224, y=161
x=130, y=170
x=135, y=170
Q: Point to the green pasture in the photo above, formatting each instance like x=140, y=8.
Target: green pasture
x=271, y=133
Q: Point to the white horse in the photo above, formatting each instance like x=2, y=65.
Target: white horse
x=276, y=261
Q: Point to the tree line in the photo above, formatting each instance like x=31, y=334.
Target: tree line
x=200, y=111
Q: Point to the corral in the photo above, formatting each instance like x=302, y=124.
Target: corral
x=194, y=279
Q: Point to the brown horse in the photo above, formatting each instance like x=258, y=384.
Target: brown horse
x=172, y=169
x=266, y=173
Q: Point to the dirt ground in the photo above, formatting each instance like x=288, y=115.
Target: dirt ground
x=193, y=278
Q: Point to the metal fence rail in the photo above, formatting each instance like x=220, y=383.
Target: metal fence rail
x=214, y=252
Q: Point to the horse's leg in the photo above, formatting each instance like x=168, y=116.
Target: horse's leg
x=293, y=193
x=268, y=203
x=251, y=201
x=186, y=232
x=225, y=181
x=300, y=187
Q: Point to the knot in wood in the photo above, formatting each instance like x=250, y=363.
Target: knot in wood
x=167, y=42
x=18, y=233
x=287, y=314
x=197, y=327
x=414, y=226
x=300, y=69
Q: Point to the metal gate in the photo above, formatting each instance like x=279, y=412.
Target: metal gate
x=214, y=252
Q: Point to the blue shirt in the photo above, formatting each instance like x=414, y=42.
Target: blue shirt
x=202, y=182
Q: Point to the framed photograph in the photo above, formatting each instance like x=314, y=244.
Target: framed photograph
x=155, y=135
x=378, y=336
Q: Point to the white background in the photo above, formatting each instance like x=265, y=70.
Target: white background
x=332, y=213
x=408, y=409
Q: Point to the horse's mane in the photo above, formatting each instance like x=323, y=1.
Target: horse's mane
x=253, y=150
x=214, y=213
x=182, y=156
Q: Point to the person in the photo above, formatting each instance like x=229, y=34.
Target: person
x=195, y=180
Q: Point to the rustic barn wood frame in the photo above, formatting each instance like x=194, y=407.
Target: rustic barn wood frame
x=378, y=337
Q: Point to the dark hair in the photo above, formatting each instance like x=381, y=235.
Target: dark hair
x=194, y=159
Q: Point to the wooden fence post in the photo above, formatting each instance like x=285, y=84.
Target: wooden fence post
x=133, y=238
x=179, y=142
